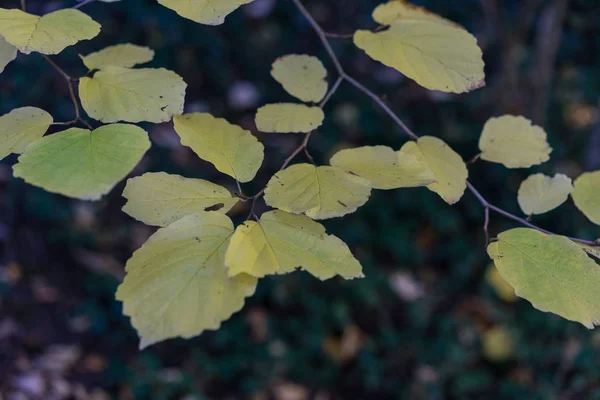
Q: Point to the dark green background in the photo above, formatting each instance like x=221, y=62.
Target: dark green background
x=63, y=259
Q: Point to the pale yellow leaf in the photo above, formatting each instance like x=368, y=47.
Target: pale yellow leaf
x=497, y=344
x=448, y=167
x=281, y=242
x=121, y=55
x=551, y=272
x=539, y=193
x=8, y=52
x=502, y=288
x=21, y=127
x=133, y=95
x=231, y=149
x=514, y=142
x=177, y=283
x=384, y=167
x=208, y=12
x=160, y=198
x=288, y=118
x=436, y=55
x=302, y=76
x=386, y=13
x=49, y=34
x=82, y=164
x=319, y=192
x=586, y=195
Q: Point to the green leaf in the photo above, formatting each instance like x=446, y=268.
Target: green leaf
x=551, y=272
x=8, y=52
x=122, y=55
x=319, y=192
x=280, y=243
x=386, y=13
x=133, y=95
x=302, y=76
x=21, y=127
x=231, y=149
x=436, y=55
x=82, y=164
x=49, y=34
x=160, y=199
x=539, y=193
x=448, y=167
x=514, y=142
x=586, y=195
x=208, y=12
x=288, y=118
x=177, y=283
x=384, y=167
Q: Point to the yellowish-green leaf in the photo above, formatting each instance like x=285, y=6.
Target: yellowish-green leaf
x=121, y=55
x=302, y=76
x=82, y=164
x=160, y=198
x=319, y=192
x=8, y=52
x=389, y=12
x=231, y=149
x=436, y=55
x=208, y=12
x=21, y=127
x=551, y=272
x=133, y=95
x=177, y=283
x=384, y=167
x=281, y=242
x=288, y=118
x=502, y=288
x=448, y=167
x=498, y=344
x=514, y=141
x=539, y=193
x=586, y=195
x=49, y=34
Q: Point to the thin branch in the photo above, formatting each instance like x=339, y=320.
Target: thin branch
x=83, y=3
x=23, y=5
x=486, y=224
x=487, y=206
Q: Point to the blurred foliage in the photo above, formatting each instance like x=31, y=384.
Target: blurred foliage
x=416, y=326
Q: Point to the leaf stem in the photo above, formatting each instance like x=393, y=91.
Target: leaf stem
x=23, y=5
x=83, y=3
x=344, y=76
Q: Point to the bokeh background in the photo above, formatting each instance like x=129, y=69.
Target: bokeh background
x=428, y=321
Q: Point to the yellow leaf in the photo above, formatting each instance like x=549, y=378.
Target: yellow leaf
x=8, y=52
x=302, y=76
x=82, y=164
x=288, y=118
x=586, y=195
x=280, y=243
x=49, y=34
x=498, y=344
x=231, y=149
x=177, y=282
x=502, y=288
x=436, y=55
x=160, y=199
x=319, y=192
x=514, y=141
x=448, y=167
x=539, y=193
x=133, y=95
x=384, y=167
x=389, y=12
x=551, y=272
x=208, y=12
x=122, y=55
x=21, y=127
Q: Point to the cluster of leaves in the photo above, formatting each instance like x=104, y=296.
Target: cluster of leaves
x=197, y=269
